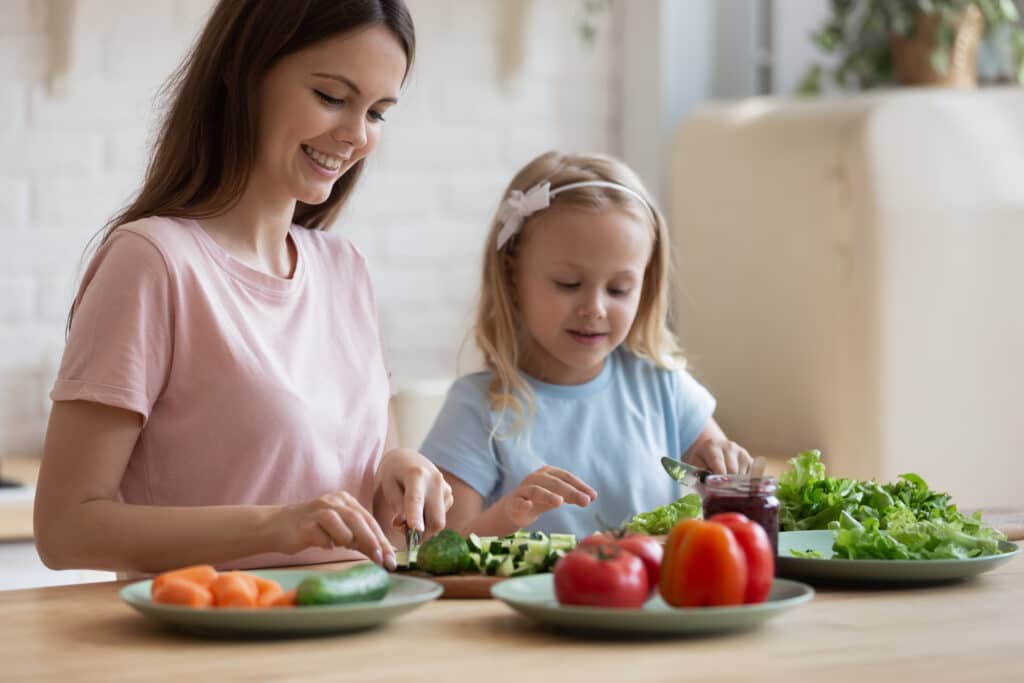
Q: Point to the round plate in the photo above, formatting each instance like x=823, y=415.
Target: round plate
x=406, y=594
x=875, y=571
x=534, y=596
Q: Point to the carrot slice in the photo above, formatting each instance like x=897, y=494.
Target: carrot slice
x=179, y=591
x=268, y=597
x=263, y=585
x=285, y=599
x=234, y=589
x=201, y=574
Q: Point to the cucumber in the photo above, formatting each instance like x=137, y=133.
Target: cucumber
x=507, y=567
x=362, y=583
x=563, y=541
x=537, y=551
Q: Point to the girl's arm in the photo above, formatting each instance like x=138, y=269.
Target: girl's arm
x=80, y=522
x=542, y=490
x=714, y=451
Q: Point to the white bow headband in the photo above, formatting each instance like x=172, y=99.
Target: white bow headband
x=521, y=205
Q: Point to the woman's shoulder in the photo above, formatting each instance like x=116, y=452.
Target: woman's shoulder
x=331, y=245
x=171, y=238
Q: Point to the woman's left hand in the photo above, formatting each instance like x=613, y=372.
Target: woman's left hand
x=414, y=492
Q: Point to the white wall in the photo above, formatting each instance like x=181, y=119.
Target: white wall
x=68, y=161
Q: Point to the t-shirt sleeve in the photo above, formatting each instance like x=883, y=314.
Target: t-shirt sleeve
x=118, y=349
x=460, y=440
x=694, y=407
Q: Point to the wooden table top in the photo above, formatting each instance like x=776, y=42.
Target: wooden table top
x=969, y=631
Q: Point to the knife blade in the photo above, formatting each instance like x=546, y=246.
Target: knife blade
x=412, y=544
x=684, y=473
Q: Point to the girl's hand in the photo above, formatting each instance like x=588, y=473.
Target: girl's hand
x=414, y=491
x=542, y=490
x=721, y=456
x=332, y=520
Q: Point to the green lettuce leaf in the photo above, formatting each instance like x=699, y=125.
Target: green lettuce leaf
x=903, y=520
x=660, y=520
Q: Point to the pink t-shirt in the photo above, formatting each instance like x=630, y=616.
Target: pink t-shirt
x=253, y=389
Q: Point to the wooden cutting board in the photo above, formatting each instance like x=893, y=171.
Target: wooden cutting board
x=461, y=586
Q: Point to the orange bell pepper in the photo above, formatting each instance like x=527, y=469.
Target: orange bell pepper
x=704, y=566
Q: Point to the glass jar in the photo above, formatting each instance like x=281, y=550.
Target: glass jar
x=754, y=498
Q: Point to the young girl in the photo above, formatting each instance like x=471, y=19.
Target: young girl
x=585, y=390
x=223, y=396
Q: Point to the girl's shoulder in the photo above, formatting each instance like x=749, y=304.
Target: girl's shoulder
x=629, y=365
x=473, y=387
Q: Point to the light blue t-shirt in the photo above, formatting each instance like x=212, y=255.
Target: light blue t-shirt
x=611, y=432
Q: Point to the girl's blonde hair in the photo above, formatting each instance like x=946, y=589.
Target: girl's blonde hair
x=497, y=329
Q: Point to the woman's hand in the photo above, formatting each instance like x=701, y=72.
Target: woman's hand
x=720, y=455
x=334, y=519
x=413, y=490
x=544, y=489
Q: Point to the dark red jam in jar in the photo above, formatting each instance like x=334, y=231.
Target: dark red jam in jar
x=754, y=498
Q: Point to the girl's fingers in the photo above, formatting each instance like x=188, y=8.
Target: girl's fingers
x=574, y=481
x=542, y=497
x=563, y=489
x=731, y=455
x=745, y=463
x=714, y=459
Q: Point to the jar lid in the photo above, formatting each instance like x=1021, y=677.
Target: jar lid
x=740, y=484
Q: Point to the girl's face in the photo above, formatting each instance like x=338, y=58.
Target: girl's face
x=578, y=277
x=322, y=109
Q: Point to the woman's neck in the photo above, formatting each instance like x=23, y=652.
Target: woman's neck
x=256, y=234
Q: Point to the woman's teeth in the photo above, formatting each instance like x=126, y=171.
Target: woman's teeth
x=328, y=162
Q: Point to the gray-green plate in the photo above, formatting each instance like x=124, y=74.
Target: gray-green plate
x=406, y=594
x=534, y=596
x=875, y=571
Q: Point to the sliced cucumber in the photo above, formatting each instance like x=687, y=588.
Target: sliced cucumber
x=507, y=567
x=537, y=551
x=563, y=541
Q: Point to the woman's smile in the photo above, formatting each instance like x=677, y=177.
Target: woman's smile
x=327, y=164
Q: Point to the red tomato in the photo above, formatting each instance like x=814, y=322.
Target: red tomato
x=601, y=576
x=757, y=548
x=704, y=566
x=646, y=548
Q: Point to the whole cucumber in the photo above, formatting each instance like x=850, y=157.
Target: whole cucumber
x=362, y=583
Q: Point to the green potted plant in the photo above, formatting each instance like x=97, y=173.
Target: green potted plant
x=914, y=42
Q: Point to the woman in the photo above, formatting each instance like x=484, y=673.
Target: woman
x=223, y=396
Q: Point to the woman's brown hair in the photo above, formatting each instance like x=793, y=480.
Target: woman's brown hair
x=206, y=144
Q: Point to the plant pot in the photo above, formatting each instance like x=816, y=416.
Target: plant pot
x=911, y=54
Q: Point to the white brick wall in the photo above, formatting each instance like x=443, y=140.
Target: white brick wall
x=68, y=160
